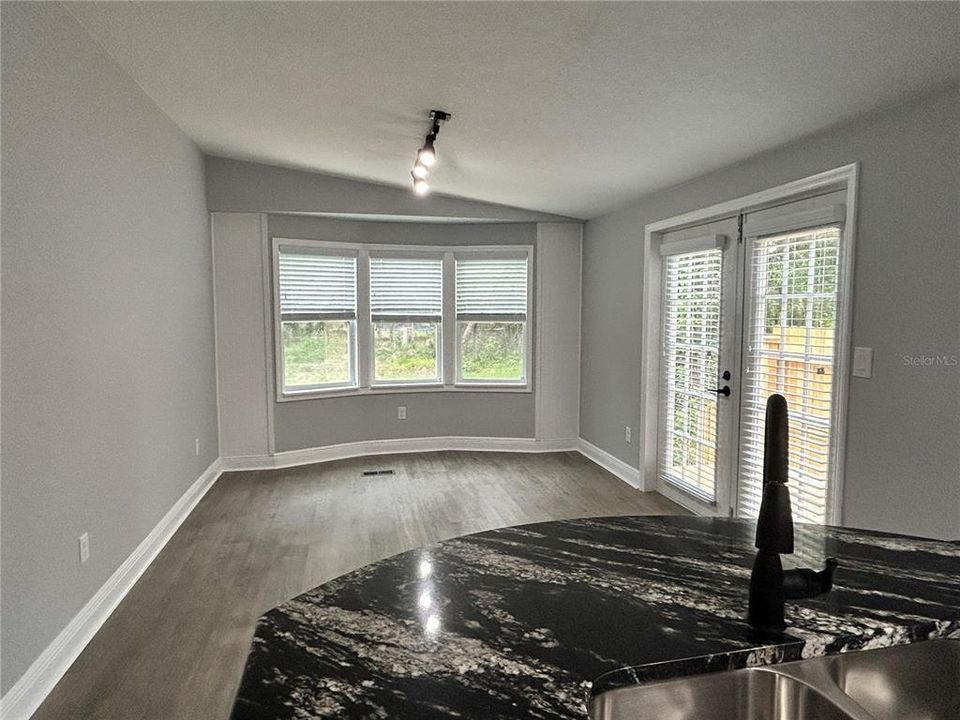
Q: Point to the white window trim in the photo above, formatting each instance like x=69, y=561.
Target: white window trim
x=695, y=244
x=320, y=388
x=363, y=347
x=845, y=178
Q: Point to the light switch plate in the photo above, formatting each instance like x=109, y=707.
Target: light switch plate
x=863, y=362
x=84, y=548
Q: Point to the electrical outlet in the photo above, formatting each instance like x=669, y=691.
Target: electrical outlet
x=401, y=412
x=627, y=434
x=84, y=548
x=196, y=446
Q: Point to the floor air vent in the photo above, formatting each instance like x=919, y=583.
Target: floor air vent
x=370, y=473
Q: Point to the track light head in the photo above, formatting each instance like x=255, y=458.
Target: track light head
x=427, y=155
x=420, y=186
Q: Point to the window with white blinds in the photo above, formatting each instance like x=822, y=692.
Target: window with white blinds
x=690, y=349
x=491, y=307
x=317, y=298
x=406, y=309
x=791, y=326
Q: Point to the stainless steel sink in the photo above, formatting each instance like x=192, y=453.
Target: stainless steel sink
x=910, y=682
x=752, y=694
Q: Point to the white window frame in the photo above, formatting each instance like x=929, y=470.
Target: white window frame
x=842, y=178
x=363, y=338
x=402, y=252
x=527, y=327
x=353, y=359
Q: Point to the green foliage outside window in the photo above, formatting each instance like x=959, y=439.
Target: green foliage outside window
x=316, y=352
x=491, y=351
x=405, y=352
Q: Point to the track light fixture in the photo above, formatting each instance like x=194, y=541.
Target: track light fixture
x=427, y=155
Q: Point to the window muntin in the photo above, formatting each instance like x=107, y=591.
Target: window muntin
x=491, y=313
x=406, y=312
x=317, y=298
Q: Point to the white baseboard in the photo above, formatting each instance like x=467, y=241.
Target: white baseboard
x=618, y=467
x=22, y=700
x=293, y=458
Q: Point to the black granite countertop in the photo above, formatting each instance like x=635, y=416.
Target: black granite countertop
x=527, y=622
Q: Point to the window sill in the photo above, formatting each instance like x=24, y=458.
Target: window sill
x=405, y=388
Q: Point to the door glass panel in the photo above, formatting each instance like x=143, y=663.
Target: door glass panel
x=791, y=333
x=690, y=338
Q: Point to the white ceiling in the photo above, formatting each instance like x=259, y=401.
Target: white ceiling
x=571, y=108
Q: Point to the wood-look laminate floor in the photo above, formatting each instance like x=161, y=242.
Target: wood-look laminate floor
x=175, y=647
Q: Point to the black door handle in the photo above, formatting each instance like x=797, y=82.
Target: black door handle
x=725, y=391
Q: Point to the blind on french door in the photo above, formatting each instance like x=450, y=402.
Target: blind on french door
x=791, y=324
x=690, y=348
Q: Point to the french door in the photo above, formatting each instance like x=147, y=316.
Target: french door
x=749, y=306
x=698, y=337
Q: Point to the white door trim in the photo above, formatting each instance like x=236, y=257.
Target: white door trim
x=845, y=177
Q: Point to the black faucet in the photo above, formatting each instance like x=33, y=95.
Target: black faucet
x=770, y=584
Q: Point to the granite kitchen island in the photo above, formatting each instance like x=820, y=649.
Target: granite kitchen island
x=529, y=621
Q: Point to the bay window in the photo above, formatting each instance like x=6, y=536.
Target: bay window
x=353, y=318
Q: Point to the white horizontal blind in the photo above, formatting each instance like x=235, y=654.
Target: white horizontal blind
x=317, y=287
x=492, y=289
x=791, y=333
x=406, y=289
x=690, y=349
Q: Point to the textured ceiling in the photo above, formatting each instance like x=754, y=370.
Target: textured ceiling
x=571, y=108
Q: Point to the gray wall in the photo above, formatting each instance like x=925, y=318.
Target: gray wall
x=329, y=421
x=317, y=423
x=107, y=358
x=903, y=447
x=238, y=186
x=401, y=233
